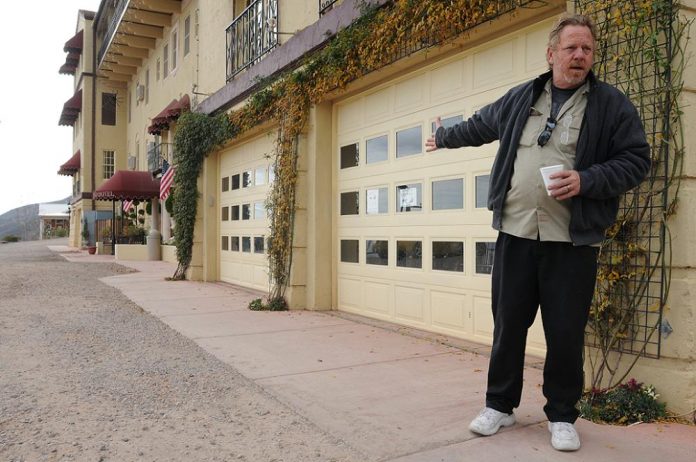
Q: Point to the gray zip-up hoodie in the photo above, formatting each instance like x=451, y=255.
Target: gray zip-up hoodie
x=612, y=154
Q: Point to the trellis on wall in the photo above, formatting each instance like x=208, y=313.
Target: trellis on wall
x=638, y=51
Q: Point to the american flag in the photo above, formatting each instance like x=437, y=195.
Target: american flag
x=127, y=205
x=166, y=180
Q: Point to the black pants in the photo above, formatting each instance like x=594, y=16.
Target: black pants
x=560, y=278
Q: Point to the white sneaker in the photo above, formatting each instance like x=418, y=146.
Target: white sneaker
x=564, y=437
x=489, y=421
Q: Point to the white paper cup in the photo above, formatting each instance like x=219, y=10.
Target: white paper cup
x=546, y=173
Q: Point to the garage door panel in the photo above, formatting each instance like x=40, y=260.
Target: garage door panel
x=408, y=303
x=494, y=65
x=379, y=299
x=410, y=94
x=449, y=79
x=450, y=310
x=379, y=105
x=351, y=293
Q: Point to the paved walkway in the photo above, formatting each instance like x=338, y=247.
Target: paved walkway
x=393, y=393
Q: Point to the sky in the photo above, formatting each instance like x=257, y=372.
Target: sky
x=32, y=144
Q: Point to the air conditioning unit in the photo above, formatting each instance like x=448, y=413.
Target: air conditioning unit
x=140, y=92
x=132, y=162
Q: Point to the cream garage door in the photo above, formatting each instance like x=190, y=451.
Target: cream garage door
x=414, y=243
x=245, y=175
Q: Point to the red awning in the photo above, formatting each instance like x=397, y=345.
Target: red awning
x=71, y=109
x=71, y=166
x=128, y=185
x=75, y=43
x=71, y=62
x=169, y=114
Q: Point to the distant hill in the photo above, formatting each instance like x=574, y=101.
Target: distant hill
x=23, y=221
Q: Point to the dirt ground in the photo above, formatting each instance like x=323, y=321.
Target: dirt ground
x=86, y=375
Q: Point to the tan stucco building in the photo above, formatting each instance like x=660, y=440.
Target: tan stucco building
x=382, y=229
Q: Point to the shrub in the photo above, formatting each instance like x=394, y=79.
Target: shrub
x=60, y=232
x=628, y=403
x=11, y=238
x=276, y=304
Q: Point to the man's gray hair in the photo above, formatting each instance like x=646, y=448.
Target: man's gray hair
x=571, y=20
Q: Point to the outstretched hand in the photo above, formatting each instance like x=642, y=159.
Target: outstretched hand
x=430, y=142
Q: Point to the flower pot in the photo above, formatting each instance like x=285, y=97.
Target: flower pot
x=92, y=249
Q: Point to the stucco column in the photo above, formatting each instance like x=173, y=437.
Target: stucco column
x=166, y=224
x=154, y=238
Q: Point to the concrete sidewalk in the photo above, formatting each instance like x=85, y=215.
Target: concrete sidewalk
x=392, y=393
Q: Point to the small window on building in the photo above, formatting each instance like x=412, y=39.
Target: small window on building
x=225, y=245
x=409, y=142
x=259, y=244
x=448, y=256
x=448, y=194
x=350, y=203
x=377, y=252
x=377, y=149
x=409, y=197
x=234, y=212
x=225, y=213
x=175, y=48
x=165, y=61
x=447, y=122
x=108, y=112
x=271, y=173
x=409, y=254
x=247, y=178
x=350, y=250
x=484, y=257
x=259, y=211
x=234, y=243
x=246, y=244
x=235, y=181
x=157, y=70
x=187, y=35
x=260, y=176
x=147, y=86
x=350, y=156
x=225, y=184
x=130, y=103
x=108, y=164
x=377, y=201
x=482, y=191
x=246, y=211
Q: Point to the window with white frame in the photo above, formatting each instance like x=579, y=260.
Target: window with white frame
x=157, y=70
x=108, y=164
x=147, y=85
x=175, y=48
x=165, y=61
x=187, y=35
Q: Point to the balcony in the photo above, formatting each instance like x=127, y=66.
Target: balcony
x=251, y=35
x=127, y=30
x=157, y=153
x=326, y=5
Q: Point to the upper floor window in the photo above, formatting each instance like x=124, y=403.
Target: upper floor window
x=187, y=35
x=147, y=85
x=108, y=113
x=108, y=164
x=165, y=61
x=157, y=70
x=175, y=47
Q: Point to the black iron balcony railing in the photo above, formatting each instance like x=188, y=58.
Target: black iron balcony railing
x=157, y=154
x=325, y=5
x=251, y=35
x=108, y=23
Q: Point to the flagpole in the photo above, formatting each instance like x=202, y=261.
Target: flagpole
x=113, y=227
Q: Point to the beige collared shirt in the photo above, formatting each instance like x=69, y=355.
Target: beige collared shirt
x=529, y=212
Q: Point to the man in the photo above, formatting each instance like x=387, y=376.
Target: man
x=546, y=251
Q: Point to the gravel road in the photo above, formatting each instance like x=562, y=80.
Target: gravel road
x=86, y=375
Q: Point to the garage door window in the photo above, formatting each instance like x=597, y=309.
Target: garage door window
x=247, y=178
x=260, y=176
x=377, y=149
x=234, y=243
x=224, y=243
x=258, y=244
x=225, y=213
x=409, y=254
x=482, y=191
x=377, y=201
x=409, y=142
x=235, y=181
x=271, y=173
x=448, y=122
x=377, y=252
x=409, y=197
x=350, y=203
x=448, y=194
x=226, y=184
x=350, y=156
x=484, y=257
x=448, y=256
x=246, y=211
x=349, y=250
x=246, y=244
x=234, y=209
x=259, y=211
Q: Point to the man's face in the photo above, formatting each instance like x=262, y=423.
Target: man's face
x=572, y=58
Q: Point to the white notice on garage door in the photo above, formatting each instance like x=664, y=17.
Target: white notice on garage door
x=409, y=197
x=373, y=201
